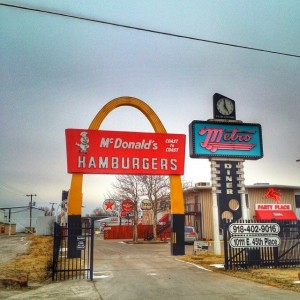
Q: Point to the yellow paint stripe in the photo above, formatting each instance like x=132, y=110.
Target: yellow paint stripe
x=75, y=195
x=177, y=200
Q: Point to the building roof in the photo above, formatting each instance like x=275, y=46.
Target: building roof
x=198, y=187
x=277, y=186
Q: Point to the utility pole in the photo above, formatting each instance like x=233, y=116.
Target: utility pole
x=30, y=207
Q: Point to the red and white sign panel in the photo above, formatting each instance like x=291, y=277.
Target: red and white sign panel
x=146, y=204
x=275, y=211
x=127, y=205
x=109, y=205
x=120, y=152
x=272, y=206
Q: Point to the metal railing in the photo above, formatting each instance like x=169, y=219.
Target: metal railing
x=73, y=252
x=246, y=253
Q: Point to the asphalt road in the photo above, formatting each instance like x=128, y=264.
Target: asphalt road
x=147, y=272
x=126, y=271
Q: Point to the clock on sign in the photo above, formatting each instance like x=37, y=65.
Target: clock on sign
x=224, y=107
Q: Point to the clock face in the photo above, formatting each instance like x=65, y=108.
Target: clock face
x=225, y=106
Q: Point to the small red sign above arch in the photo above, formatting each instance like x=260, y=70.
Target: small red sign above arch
x=127, y=205
x=109, y=205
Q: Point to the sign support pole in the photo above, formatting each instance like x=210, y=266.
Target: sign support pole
x=216, y=225
x=177, y=216
x=242, y=191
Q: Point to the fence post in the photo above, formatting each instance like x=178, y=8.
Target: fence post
x=53, y=257
x=276, y=258
x=225, y=239
x=56, y=246
x=92, y=251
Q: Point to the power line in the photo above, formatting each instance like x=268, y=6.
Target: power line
x=149, y=30
x=9, y=191
x=5, y=187
x=16, y=212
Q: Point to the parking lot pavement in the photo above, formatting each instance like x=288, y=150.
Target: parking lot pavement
x=147, y=271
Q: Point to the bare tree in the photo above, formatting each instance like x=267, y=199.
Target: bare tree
x=47, y=210
x=137, y=187
x=186, y=184
x=128, y=186
x=156, y=188
x=98, y=211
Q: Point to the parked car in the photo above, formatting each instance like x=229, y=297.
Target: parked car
x=190, y=234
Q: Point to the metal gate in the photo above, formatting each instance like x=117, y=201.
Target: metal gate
x=286, y=254
x=73, y=250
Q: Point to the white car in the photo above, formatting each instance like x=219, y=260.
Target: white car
x=190, y=234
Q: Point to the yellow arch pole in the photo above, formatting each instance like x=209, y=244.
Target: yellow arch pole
x=75, y=194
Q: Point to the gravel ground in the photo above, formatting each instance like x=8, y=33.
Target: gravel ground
x=11, y=246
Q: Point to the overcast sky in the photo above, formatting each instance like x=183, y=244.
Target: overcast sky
x=58, y=72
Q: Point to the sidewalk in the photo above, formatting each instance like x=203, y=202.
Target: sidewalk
x=72, y=289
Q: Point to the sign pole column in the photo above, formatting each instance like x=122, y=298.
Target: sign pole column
x=216, y=225
x=74, y=215
x=177, y=216
x=242, y=191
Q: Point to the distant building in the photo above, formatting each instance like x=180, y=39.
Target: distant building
x=198, y=205
x=23, y=217
x=1, y=215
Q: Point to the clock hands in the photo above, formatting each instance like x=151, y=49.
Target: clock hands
x=225, y=106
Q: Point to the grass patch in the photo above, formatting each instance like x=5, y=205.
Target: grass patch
x=36, y=262
x=283, y=278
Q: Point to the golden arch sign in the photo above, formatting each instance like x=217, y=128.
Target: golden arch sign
x=165, y=165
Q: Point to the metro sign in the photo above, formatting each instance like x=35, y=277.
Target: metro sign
x=220, y=139
x=120, y=152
